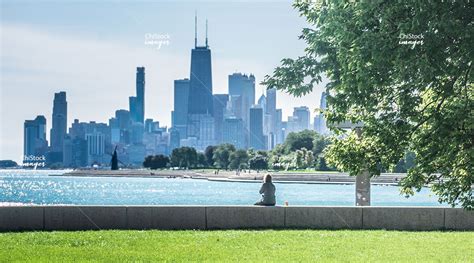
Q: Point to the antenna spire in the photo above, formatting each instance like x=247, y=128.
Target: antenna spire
x=206, y=35
x=195, y=28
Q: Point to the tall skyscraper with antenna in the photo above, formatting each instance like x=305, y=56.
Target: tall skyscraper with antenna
x=200, y=102
x=200, y=90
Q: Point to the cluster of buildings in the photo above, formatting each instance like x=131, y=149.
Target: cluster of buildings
x=199, y=119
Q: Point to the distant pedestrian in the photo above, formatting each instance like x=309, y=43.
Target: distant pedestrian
x=267, y=191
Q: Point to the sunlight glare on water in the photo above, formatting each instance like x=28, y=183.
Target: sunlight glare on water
x=38, y=187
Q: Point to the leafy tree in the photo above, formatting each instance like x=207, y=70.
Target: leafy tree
x=221, y=155
x=304, y=158
x=279, y=149
x=258, y=162
x=156, y=162
x=147, y=162
x=251, y=153
x=297, y=140
x=7, y=163
x=321, y=164
x=299, y=159
x=209, y=153
x=262, y=153
x=274, y=161
x=184, y=157
x=201, y=160
x=308, y=158
x=319, y=144
x=238, y=159
x=288, y=161
x=406, y=163
x=416, y=97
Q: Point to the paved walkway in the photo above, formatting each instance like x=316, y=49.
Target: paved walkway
x=287, y=177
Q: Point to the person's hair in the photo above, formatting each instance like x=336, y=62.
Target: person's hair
x=267, y=178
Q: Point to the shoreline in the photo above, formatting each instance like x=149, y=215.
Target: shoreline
x=231, y=176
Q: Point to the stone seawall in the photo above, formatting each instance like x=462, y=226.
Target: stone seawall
x=28, y=218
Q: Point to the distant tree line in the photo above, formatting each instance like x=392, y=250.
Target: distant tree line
x=301, y=150
x=7, y=164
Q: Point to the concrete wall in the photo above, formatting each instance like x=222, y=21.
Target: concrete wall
x=232, y=217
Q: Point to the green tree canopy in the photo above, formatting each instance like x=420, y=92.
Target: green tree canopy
x=222, y=155
x=258, y=162
x=417, y=97
x=298, y=140
x=238, y=159
x=184, y=157
x=209, y=153
x=201, y=160
x=156, y=161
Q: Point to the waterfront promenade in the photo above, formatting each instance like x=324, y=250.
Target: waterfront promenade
x=243, y=176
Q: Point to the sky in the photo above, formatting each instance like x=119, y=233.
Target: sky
x=91, y=49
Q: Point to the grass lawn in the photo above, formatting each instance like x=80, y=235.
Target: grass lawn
x=238, y=245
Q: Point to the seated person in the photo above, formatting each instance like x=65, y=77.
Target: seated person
x=268, y=192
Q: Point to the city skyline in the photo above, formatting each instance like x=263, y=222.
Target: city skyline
x=79, y=100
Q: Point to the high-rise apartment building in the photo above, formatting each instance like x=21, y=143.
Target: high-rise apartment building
x=59, y=129
x=232, y=132
x=257, y=140
x=244, y=86
x=34, y=137
x=220, y=104
x=302, y=117
x=137, y=103
x=180, y=112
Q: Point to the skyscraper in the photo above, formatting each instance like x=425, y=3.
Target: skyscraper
x=137, y=104
x=323, y=106
x=235, y=103
x=244, y=86
x=59, y=129
x=232, y=132
x=88, y=143
x=174, y=139
x=124, y=124
x=262, y=102
x=34, y=136
x=200, y=119
x=270, y=111
x=257, y=140
x=200, y=85
x=302, y=118
x=180, y=112
x=271, y=101
x=95, y=148
x=319, y=120
x=279, y=134
x=220, y=104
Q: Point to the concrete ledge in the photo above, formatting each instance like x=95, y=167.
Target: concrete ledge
x=29, y=218
x=17, y=218
x=403, y=218
x=459, y=219
x=166, y=217
x=232, y=217
x=84, y=217
x=324, y=217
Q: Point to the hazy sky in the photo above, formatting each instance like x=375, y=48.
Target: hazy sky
x=91, y=49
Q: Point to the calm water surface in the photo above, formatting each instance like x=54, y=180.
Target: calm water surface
x=37, y=187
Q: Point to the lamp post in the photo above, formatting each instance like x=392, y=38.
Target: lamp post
x=362, y=186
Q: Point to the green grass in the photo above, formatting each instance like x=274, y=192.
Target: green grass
x=237, y=245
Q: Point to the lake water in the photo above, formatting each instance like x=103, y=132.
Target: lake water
x=38, y=187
